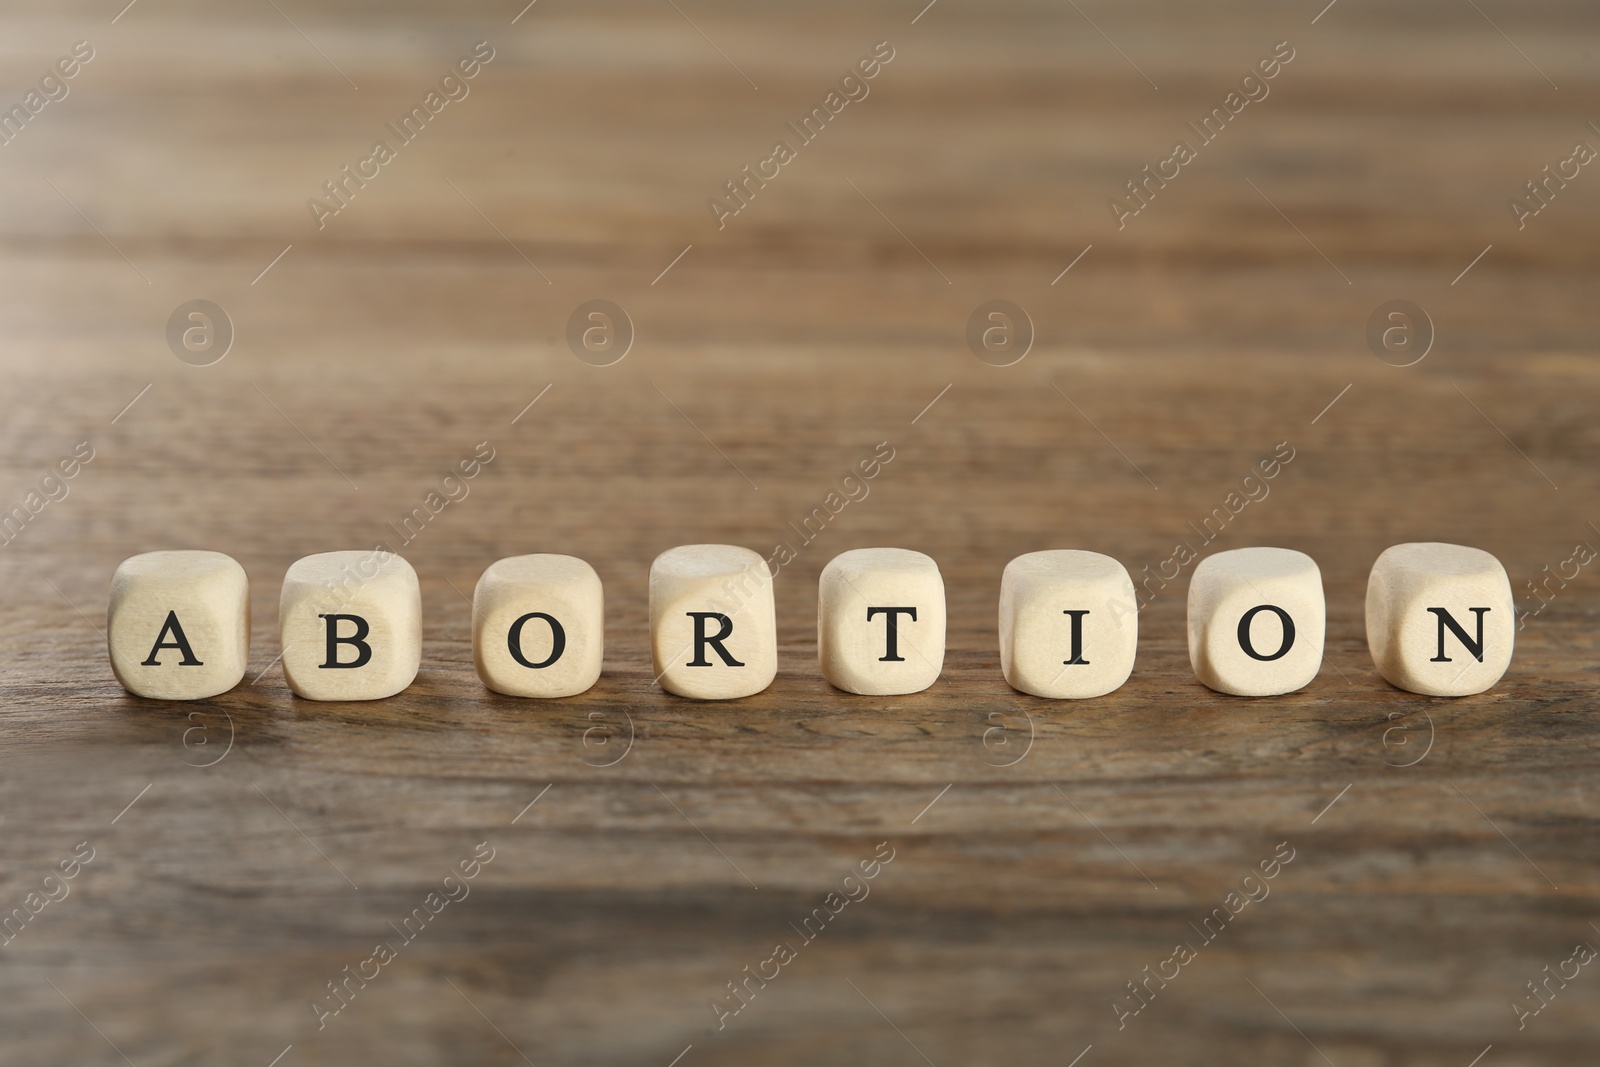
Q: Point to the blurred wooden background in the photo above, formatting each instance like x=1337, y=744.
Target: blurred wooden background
x=1044, y=852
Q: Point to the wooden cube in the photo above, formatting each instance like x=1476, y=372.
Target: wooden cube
x=1256, y=621
x=1440, y=618
x=880, y=621
x=1069, y=624
x=713, y=626
x=351, y=625
x=538, y=626
x=179, y=624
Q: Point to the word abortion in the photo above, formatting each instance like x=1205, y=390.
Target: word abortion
x=1440, y=621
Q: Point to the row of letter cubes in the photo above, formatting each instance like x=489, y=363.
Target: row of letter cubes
x=1439, y=622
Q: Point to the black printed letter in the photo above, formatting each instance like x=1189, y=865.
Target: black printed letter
x=358, y=639
x=558, y=640
x=701, y=640
x=181, y=643
x=1446, y=619
x=1244, y=632
x=891, y=652
x=1077, y=659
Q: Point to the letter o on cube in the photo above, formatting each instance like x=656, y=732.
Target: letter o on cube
x=881, y=621
x=1440, y=618
x=351, y=625
x=178, y=627
x=713, y=625
x=538, y=626
x=1069, y=624
x=1256, y=621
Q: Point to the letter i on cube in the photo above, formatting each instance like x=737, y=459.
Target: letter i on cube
x=1256, y=621
x=1440, y=618
x=881, y=621
x=178, y=625
x=538, y=626
x=350, y=625
x=713, y=624
x=1069, y=624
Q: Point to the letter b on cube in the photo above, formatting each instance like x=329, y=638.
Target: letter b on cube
x=1256, y=621
x=538, y=626
x=1440, y=618
x=713, y=625
x=178, y=626
x=881, y=621
x=351, y=625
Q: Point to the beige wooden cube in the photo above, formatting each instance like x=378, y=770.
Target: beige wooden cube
x=178, y=626
x=1256, y=621
x=351, y=625
x=880, y=621
x=1069, y=624
x=713, y=626
x=538, y=626
x=1440, y=618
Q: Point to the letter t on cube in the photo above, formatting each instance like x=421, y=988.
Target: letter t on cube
x=351, y=625
x=880, y=621
x=713, y=625
x=1069, y=624
x=1440, y=618
x=179, y=624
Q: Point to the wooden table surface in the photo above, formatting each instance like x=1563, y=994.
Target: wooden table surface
x=247, y=849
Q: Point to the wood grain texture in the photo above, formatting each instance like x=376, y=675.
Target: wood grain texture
x=1044, y=853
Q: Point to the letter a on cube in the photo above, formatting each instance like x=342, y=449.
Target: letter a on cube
x=1440, y=618
x=880, y=621
x=713, y=625
x=179, y=624
x=538, y=626
x=351, y=625
x=1069, y=624
x=1256, y=621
